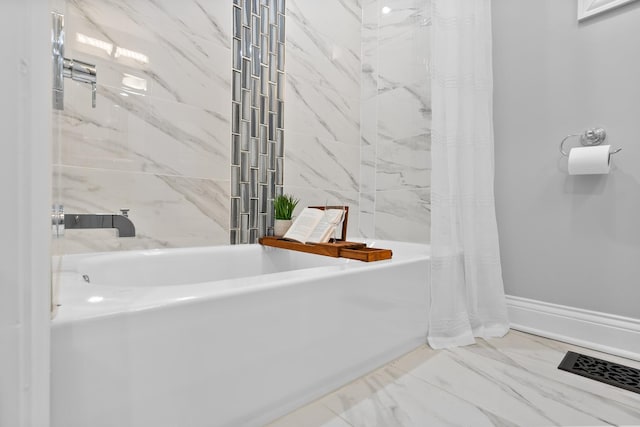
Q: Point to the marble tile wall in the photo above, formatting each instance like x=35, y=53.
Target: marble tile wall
x=357, y=109
x=395, y=120
x=158, y=140
x=322, y=108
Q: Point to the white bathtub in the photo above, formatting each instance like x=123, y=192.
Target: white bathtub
x=225, y=336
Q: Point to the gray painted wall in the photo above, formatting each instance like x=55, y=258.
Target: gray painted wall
x=571, y=240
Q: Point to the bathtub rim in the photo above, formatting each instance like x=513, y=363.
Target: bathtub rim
x=113, y=301
x=69, y=262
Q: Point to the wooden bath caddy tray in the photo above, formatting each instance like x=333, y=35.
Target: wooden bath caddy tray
x=342, y=249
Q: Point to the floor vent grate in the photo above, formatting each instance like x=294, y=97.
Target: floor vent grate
x=602, y=370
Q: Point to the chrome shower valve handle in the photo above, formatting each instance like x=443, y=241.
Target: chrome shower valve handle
x=73, y=69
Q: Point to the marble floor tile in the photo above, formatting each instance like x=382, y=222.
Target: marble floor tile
x=512, y=381
x=520, y=395
x=404, y=400
x=311, y=416
x=540, y=357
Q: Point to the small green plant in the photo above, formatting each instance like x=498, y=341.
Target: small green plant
x=284, y=206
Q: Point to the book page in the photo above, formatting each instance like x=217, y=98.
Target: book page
x=304, y=225
x=327, y=225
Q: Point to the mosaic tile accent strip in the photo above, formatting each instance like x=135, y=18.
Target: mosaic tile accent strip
x=257, y=135
x=601, y=370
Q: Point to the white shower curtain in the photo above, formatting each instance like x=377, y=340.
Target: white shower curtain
x=467, y=294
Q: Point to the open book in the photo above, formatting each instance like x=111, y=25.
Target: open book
x=315, y=225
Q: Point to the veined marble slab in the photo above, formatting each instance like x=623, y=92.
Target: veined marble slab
x=395, y=118
x=325, y=114
x=344, y=15
x=367, y=226
x=401, y=17
x=323, y=69
x=147, y=47
x=404, y=112
x=321, y=164
x=404, y=163
x=404, y=215
x=367, y=168
x=167, y=211
x=188, y=18
x=324, y=62
x=130, y=132
x=369, y=121
x=158, y=141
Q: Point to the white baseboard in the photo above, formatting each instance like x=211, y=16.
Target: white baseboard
x=591, y=329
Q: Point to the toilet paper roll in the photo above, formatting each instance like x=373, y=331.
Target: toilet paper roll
x=589, y=160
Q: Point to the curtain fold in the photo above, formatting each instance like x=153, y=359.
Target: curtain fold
x=467, y=293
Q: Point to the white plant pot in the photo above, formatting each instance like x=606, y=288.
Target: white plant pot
x=281, y=226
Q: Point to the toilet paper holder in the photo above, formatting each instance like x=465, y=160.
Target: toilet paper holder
x=588, y=138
